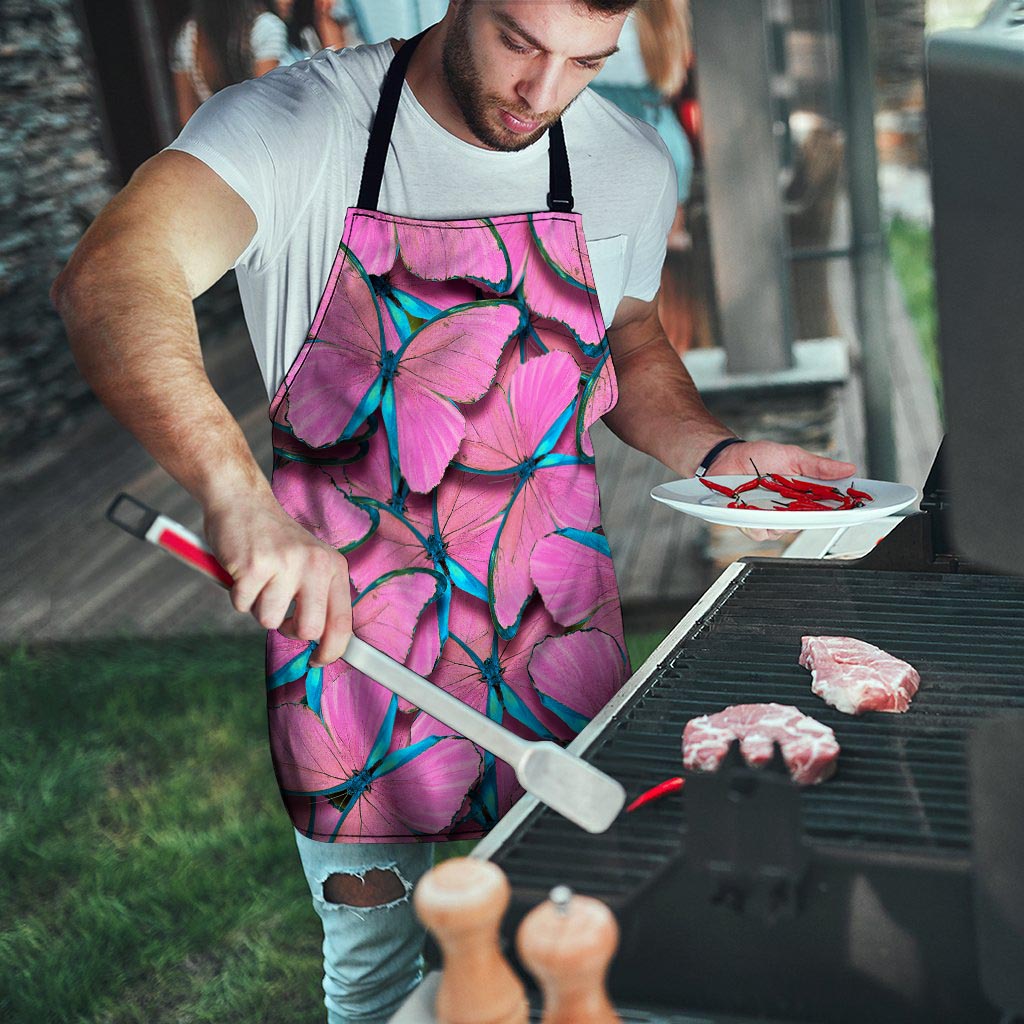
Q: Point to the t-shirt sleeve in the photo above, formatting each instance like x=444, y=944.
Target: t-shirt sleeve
x=268, y=139
x=269, y=38
x=651, y=241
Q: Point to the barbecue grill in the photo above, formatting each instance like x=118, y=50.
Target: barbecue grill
x=744, y=895
x=893, y=892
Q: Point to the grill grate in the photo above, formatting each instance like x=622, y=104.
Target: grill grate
x=902, y=779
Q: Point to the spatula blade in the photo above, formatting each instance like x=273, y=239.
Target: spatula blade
x=567, y=784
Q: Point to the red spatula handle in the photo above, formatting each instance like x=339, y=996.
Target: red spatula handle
x=147, y=524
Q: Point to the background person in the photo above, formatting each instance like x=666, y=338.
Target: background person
x=221, y=43
x=648, y=73
x=314, y=24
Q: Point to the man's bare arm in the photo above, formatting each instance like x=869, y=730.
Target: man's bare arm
x=660, y=411
x=126, y=300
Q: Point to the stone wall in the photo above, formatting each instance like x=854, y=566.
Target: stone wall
x=54, y=178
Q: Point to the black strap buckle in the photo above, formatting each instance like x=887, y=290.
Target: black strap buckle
x=560, y=204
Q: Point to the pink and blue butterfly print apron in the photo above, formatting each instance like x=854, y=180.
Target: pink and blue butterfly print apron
x=434, y=428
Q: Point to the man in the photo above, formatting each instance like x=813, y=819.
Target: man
x=432, y=382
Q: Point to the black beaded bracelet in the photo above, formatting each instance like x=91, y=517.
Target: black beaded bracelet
x=705, y=463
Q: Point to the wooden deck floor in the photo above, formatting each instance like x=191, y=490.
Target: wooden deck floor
x=72, y=575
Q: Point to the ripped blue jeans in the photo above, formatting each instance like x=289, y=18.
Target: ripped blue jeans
x=372, y=954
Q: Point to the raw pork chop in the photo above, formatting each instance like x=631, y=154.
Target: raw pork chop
x=809, y=748
x=855, y=677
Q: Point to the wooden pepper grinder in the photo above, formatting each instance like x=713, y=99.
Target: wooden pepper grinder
x=462, y=902
x=567, y=943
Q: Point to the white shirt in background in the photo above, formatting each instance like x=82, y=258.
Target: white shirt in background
x=268, y=40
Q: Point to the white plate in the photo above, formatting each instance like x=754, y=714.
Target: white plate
x=693, y=498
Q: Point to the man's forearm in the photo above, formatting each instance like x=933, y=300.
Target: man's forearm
x=132, y=329
x=660, y=411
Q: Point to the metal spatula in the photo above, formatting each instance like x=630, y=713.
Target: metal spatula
x=568, y=785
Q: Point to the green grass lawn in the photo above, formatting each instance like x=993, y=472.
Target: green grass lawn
x=910, y=247
x=147, y=868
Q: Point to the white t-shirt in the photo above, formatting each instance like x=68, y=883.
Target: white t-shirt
x=292, y=144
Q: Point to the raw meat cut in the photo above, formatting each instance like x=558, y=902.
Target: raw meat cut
x=809, y=748
x=855, y=677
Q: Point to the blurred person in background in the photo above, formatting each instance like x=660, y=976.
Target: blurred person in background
x=223, y=42
x=647, y=75
x=314, y=25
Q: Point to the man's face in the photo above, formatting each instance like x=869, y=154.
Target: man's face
x=513, y=66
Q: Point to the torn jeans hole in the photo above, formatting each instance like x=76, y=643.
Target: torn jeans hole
x=361, y=891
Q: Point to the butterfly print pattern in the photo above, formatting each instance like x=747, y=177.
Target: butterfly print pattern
x=434, y=428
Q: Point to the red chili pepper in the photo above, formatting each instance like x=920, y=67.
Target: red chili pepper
x=793, y=485
x=720, y=488
x=773, y=485
x=863, y=495
x=656, y=793
x=809, y=487
x=749, y=485
x=787, y=492
x=806, y=505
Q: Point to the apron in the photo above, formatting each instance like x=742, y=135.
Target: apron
x=434, y=428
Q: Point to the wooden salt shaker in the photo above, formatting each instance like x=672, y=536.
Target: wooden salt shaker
x=567, y=943
x=462, y=902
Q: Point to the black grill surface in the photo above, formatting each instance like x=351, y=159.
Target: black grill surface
x=902, y=780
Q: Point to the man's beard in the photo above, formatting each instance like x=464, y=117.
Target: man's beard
x=464, y=83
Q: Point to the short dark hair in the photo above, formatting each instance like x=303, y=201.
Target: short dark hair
x=609, y=6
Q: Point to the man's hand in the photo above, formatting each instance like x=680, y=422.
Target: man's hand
x=273, y=561
x=771, y=457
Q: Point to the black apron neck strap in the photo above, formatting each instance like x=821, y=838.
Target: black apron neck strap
x=559, y=197
x=383, y=123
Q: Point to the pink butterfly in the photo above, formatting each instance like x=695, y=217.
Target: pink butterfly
x=551, y=271
x=494, y=795
x=598, y=386
x=452, y=533
x=521, y=431
x=473, y=250
x=577, y=674
x=308, y=493
x=491, y=674
x=345, y=779
x=574, y=573
x=359, y=362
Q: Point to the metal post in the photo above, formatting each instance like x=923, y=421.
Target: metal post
x=748, y=236
x=868, y=239
x=154, y=66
